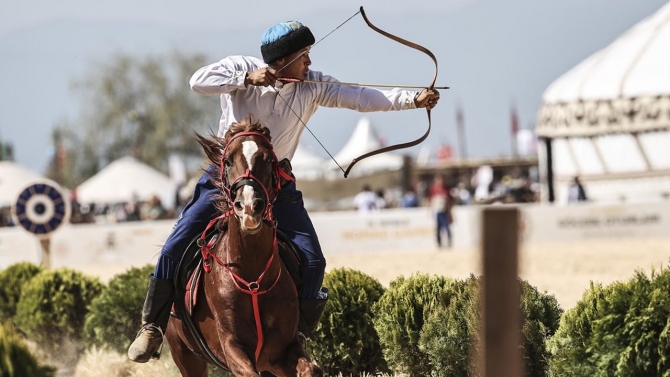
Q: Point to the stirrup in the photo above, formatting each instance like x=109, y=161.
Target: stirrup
x=156, y=355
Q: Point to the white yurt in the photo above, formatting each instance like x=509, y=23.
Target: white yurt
x=607, y=120
x=124, y=179
x=363, y=140
x=306, y=165
x=13, y=179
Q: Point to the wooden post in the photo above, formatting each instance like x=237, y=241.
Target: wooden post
x=501, y=331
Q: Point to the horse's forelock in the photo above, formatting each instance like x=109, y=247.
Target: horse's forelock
x=247, y=125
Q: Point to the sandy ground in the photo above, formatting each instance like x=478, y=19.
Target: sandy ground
x=564, y=270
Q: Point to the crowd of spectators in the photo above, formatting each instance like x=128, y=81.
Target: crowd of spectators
x=522, y=189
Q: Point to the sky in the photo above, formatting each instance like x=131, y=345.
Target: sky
x=495, y=55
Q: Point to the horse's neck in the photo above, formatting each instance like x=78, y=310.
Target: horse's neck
x=250, y=251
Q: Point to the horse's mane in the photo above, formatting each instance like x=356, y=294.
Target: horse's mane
x=214, y=146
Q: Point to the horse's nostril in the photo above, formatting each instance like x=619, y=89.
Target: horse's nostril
x=259, y=205
x=238, y=205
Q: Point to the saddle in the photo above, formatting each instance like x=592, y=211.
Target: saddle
x=188, y=280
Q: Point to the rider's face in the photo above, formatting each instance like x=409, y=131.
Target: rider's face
x=296, y=65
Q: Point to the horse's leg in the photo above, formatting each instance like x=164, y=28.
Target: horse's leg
x=238, y=361
x=189, y=364
x=296, y=360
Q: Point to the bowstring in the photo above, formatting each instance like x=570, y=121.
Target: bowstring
x=289, y=106
x=319, y=41
x=307, y=128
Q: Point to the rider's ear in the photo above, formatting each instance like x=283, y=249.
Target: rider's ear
x=279, y=63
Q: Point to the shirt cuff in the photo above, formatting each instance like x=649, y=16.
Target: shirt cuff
x=407, y=100
x=238, y=78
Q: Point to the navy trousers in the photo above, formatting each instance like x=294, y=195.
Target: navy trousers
x=443, y=224
x=289, y=212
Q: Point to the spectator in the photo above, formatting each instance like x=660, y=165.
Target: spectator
x=441, y=203
x=576, y=192
x=366, y=200
x=154, y=209
x=463, y=194
x=380, y=201
x=410, y=200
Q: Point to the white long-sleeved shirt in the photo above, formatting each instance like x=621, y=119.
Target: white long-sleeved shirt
x=226, y=78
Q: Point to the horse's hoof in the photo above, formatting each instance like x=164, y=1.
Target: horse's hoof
x=307, y=369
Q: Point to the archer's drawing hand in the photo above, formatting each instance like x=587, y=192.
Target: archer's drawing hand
x=261, y=77
x=427, y=98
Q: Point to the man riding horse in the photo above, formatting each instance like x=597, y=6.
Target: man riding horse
x=270, y=90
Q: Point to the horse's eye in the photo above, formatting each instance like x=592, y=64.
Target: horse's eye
x=227, y=162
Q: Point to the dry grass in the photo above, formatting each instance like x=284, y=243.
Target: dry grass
x=103, y=363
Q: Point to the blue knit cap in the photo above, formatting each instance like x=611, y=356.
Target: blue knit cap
x=283, y=39
x=279, y=30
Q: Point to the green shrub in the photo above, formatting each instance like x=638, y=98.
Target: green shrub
x=541, y=316
x=115, y=315
x=345, y=340
x=399, y=316
x=53, y=307
x=626, y=334
x=12, y=281
x=569, y=348
x=15, y=358
x=451, y=334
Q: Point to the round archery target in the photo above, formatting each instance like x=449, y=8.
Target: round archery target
x=41, y=208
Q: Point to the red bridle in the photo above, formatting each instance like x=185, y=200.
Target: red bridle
x=250, y=288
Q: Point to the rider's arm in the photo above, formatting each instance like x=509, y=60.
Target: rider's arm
x=363, y=99
x=224, y=76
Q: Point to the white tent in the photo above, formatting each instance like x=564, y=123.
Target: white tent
x=13, y=179
x=363, y=140
x=125, y=178
x=607, y=120
x=306, y=165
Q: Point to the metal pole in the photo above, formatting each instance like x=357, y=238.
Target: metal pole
x=550, y=171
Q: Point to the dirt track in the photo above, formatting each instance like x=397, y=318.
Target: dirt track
x=563, y=270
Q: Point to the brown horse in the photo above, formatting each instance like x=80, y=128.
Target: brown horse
x=249, y=315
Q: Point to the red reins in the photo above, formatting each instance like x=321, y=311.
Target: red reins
x=250, y=288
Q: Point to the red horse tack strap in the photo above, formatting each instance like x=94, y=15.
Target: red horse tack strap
x=250, y=288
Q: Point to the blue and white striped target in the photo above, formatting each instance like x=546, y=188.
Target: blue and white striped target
x=41, y=208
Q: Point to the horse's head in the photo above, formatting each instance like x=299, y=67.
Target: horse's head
x=247, y=167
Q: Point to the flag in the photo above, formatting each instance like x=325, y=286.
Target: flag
x=460, y=129
x=514, y=121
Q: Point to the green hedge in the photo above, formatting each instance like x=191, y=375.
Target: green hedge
x=115, y=315
x=15, y=358
x=12, y=281
x=399, y=316
x=53, y=307
x=451, y=334
x=619, y=330
x=345, y=340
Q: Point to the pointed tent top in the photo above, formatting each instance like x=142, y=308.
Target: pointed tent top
x=363, y=140
x=124, y=179
x=306, y=165
x=14, y=178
